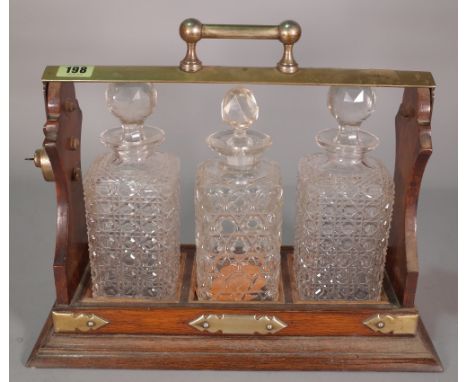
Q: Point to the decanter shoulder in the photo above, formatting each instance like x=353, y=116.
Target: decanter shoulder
x=311, y=164
x=166, y=162
x=214, y=171
x=99, y=166
x=319, y=164
x=158, y=169
x=156, y=162
x=378, y=165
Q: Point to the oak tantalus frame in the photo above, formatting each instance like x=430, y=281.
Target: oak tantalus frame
x=386, y=335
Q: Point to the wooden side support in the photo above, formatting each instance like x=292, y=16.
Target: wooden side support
x=62, y=144
x=413, y=149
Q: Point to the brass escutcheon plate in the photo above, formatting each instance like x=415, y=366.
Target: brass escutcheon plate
x=76, y=322
x=392, y=323
x=237, y=324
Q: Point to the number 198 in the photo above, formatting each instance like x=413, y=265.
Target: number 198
x=76, y=69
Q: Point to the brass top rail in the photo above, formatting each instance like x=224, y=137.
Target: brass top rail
x=248, y=75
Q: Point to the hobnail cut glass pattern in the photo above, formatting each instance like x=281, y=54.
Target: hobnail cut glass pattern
x=132, y=214
x=342, y=226
x=344, y=207
x=132, y=203
x=238, y=232
x=238, y=202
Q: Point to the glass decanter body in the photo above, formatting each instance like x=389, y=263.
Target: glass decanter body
x=238, y=207
x=132, y=204
x=344, y=208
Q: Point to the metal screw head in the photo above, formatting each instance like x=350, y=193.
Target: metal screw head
x=406, y=111
x=206, y=325
x=90, y=324
x=269, y=326
x=76, y=174
x=73, y=143
x=380, y=324
x=69, y=105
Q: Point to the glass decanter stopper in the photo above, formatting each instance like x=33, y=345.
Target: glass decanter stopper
x=344, y=207
x=132, y=203
x=238, y=207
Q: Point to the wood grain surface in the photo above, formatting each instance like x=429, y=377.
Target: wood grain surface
x=235, y=353
x=413, y=149
x=63, y=125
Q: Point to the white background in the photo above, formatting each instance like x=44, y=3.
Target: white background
x=398, y=34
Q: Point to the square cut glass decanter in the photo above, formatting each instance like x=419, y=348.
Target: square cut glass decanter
x=238, y=206
x=344, y=207
x=132, y=204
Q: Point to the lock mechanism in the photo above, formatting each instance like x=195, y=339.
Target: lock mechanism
x=41, y=160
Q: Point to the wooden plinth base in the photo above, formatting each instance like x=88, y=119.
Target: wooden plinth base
x=339, y=353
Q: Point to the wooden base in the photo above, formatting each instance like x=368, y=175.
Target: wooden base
x=145, y=334
x=339, y=353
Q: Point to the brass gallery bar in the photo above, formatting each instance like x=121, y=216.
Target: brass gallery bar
x=244, y=75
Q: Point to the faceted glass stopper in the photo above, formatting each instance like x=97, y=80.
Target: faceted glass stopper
x=132, y=103
x=239, y=108
x=351, y=105
x=241, y=146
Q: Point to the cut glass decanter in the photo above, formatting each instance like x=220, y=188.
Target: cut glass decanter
x=238, y=205
x=132, y=203
x=344, y=207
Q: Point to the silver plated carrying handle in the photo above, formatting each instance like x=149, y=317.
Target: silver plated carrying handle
x=192, y=31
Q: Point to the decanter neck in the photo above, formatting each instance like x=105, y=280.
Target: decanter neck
x=348, y=135
x=240, y=162
x=132, y=132
x=240, y=150
x=347, y=144
x=346, y=158
x=133, y=143
x=134, y=153
x=133, y=148
x=346, y=148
